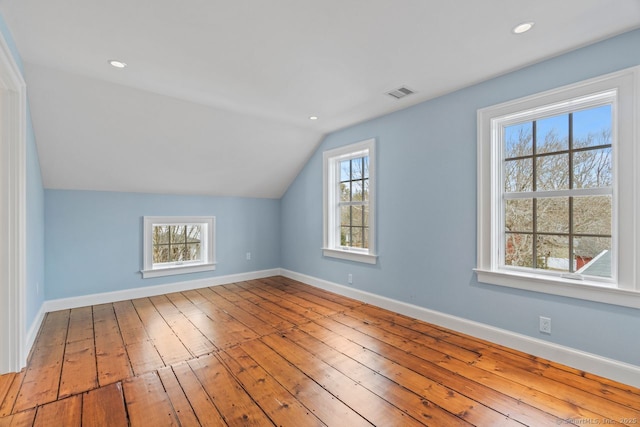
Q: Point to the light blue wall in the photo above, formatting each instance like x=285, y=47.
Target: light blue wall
x=426, y=214
x=94, y=239
x=35, y=291
x=35, y=208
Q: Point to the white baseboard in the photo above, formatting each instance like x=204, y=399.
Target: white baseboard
x=32, y=333
x=578, y=359
x=149, y=291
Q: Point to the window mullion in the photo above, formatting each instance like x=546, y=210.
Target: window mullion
x=571, y=179
x=350, y=205
x=534, y=187
x=170, y=241
x=576, y=192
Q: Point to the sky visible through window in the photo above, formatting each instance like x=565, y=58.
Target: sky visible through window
x=585, y=122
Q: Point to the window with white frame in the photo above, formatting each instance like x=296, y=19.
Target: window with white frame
x=349, y=208
x=177, y=245
x=557, y=204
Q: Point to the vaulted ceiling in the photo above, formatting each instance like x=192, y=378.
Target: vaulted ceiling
x=217, y=95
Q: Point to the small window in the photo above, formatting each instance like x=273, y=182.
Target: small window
x=349, y=202
x=557, y=187
x=177, y=245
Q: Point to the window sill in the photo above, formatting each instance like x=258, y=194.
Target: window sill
x=170, y=271
x=590, y=291
x=350, y=255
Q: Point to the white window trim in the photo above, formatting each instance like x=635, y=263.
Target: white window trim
x=208, y=264
x=331, y=159
x=626, y=231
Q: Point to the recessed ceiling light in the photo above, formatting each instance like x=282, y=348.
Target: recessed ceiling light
x=116, y=63
x=522, y=28
x=313, y=117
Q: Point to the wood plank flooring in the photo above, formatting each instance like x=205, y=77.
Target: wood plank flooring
x=277, y=352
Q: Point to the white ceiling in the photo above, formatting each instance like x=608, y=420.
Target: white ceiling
x=217, y=94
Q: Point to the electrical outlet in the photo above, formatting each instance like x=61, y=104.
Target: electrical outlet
x=350, y=278
x=545, y=325
x=248, y=256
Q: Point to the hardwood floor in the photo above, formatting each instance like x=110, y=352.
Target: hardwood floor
x=278, y=352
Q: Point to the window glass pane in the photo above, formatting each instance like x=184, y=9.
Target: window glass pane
x=345, y=236
x=193, y=253
x=356, y=168
x=365, y=213
x=177, y=233
x=592, y=215
x=345, y=170
x=552, y=134
x=518, y=215
x=160, y=253
x=345, y=215
x=160, y=234
x=366, y=166
x=356, y=234
x=175, y=253
x=553, y=253
x=365, y=193
x=193, y=233
x=552, y=172
x=592, y=127
x=592, y=256
x=357, y=217
x=519, y=250
x=518, y=140
x=518, y=175
x=345, y=191
x=592, y=168
x=552, y=215
x=356, y=190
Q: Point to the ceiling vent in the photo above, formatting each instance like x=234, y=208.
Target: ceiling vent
x=401, y=92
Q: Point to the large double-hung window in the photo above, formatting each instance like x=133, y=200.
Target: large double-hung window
x=557, y=196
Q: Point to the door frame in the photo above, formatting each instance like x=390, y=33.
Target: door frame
x=13, y=126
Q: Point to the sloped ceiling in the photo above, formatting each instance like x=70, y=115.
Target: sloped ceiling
x=217, y=94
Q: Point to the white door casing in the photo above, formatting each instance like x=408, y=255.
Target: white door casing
x=13, y=115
